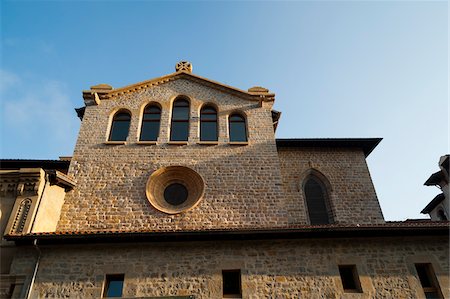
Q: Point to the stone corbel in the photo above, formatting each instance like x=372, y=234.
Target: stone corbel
x=20, y=188
x=60, y=179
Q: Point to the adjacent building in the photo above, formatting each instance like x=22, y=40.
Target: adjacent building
x=439, y=207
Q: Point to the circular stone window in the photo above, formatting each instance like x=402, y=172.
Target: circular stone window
x=174, y=189
x=175, y=194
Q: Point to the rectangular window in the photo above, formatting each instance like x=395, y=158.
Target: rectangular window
x=231, y=283
x=428, y=281
x=113, y=285
x=350, y=279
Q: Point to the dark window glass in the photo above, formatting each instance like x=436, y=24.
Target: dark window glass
x=316, y=202
x=208, y=124
x=231, y=282
x=238, y=130
x=423, y=276
x=441, y=215
x=180, y=113
x=120, y=127
x=180, y=121
x=113, y=285
x=150, y=123
x=428, y=281
x=176, y=194
x=179, y=132
x=349, y=278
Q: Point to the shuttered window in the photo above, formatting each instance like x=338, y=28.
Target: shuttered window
x=316, y=201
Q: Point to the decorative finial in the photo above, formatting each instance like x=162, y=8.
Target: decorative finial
x=185, y=66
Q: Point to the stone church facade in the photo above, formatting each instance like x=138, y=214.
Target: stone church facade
x=178, y=187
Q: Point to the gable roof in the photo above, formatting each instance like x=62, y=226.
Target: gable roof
x=104, y=92
x=433, y=203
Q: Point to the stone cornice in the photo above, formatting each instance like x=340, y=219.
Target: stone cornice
x=24, y=181
x=95, y=96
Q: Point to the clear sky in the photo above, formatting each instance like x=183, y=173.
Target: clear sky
x=339, y=69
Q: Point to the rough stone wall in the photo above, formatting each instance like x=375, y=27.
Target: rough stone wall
x=269, y=269
x=351, y=194
x=243, y=183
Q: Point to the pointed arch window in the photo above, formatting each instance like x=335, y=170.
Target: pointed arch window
x=180, y=120
x=120, y=126
x=208, y=124
x=150, y=123
x=317, y=201
x=238, y=128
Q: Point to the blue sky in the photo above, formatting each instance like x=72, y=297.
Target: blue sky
x=339, y=69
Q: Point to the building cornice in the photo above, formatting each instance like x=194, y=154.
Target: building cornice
x=95, y=95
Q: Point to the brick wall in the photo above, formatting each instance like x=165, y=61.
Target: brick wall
x=243, y=183
x=351, y=192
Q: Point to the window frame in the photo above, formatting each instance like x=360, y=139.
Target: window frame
x=432, y=278
x=150, y=105
x=325, y=196
x=114, y=120
x=216, y=121
x=355, y=276
x=107, y=282
x=229, y=295
x=180, y=99
x=230, y=121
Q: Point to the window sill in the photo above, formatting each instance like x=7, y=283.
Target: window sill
x=115, y=142
x=208, y=142
x=238, y=143
x=354, y=291
x=177, y=142
x=146, y=142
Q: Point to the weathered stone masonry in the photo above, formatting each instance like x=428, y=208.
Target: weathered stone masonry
x=96, y=217
x=270, y=269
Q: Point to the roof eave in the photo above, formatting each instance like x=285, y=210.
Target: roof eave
x=433, y=203
x=224, y=235
x=366, y=144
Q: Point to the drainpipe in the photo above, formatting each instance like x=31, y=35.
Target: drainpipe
x=33, y=278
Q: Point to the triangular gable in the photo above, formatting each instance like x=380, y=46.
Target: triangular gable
x=104, y=92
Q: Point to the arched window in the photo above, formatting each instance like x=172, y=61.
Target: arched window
x=317, y=201
x=150, y=123
x=180, y=121
x=21, y=216
x=238, y=128
x=441, y=215
x=208, y=124
x=120, y=126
